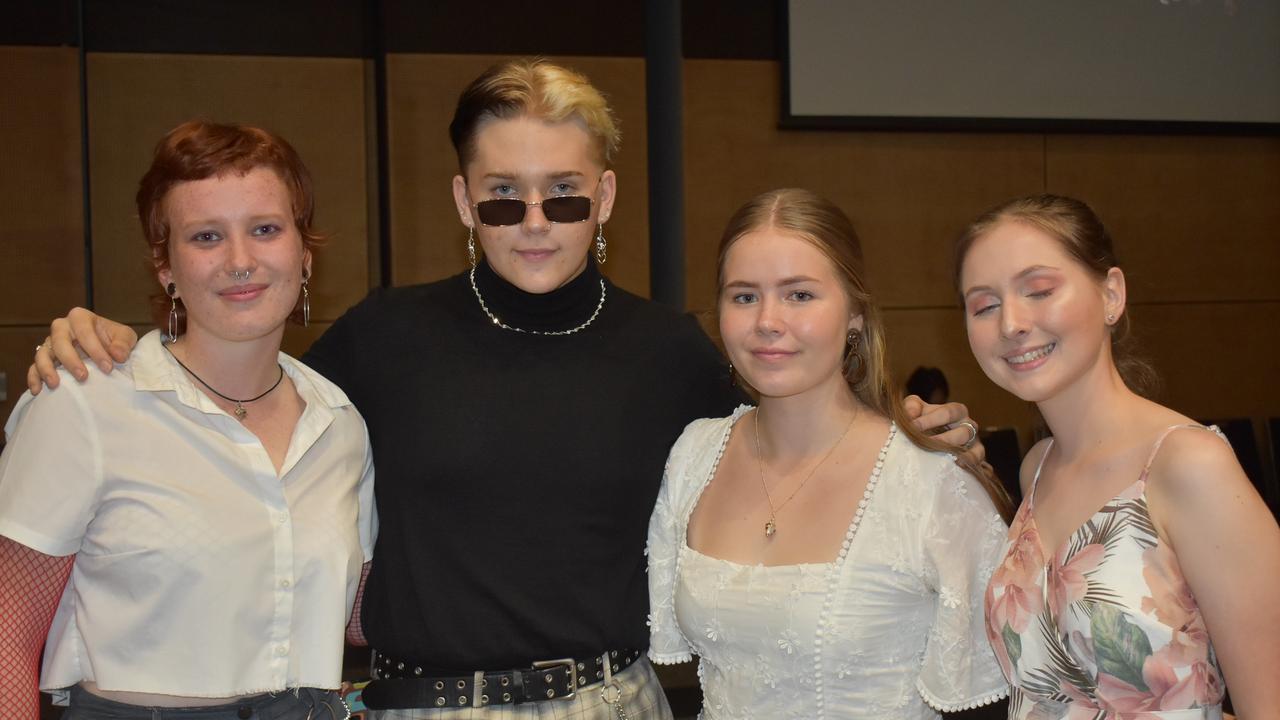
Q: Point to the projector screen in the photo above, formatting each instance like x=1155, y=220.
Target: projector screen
x=1143, y=65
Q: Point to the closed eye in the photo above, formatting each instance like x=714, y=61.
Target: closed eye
x=985, y=309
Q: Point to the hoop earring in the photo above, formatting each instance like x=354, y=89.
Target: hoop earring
x=471, y=245
x=601, y=249
x=855, y=366
x=171, y=290
x=306, y=300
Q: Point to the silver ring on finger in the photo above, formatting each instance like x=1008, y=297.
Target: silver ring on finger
x=973, y=434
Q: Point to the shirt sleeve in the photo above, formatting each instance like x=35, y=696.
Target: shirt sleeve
x=964, y=536
x=667, y=644
x=51, y=469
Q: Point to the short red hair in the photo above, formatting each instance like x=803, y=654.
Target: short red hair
x=200, y=149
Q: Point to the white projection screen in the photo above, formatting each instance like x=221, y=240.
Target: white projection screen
x=1036, y=65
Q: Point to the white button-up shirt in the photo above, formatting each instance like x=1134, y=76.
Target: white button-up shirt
x=199, y=571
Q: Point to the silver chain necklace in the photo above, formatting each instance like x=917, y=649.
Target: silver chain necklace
x=512, y=328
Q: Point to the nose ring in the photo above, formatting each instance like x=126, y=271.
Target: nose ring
x=239, y=274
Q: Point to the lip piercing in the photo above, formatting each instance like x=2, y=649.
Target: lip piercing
x=239, y=274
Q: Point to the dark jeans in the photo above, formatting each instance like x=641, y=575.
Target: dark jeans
x=299, y=704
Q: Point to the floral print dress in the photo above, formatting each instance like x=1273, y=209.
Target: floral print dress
x=1106, y=628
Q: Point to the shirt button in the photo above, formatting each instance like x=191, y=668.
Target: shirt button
x=245, y=712
x=282, y=649
x=283, y=518
x=285, y=584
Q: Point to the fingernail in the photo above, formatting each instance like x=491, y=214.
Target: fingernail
x=105, y=366
x=81, y=374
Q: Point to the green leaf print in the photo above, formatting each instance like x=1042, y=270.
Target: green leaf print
x=1121, y=647
x=1012, y=644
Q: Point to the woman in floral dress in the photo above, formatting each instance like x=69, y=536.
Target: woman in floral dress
x=1142, y=567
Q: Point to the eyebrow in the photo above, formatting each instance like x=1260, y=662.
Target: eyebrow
x=558, y=175
x=1027, y=271
x=793, y=280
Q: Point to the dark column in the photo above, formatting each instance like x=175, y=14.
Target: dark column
x=664, y=88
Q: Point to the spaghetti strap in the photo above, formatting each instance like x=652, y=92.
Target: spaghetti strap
x=1035, y=479
x=1160, y=440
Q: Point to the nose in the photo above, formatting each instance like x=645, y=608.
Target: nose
x=768, y=317
x=240, y=257
x=1013, y=319
x=535, y=221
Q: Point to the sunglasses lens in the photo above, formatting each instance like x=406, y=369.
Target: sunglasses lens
x=500, y=212
x=567, y=209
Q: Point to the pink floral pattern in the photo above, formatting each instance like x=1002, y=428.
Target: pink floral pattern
x=1106, y=628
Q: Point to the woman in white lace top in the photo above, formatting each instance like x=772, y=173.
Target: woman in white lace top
x=819, y=554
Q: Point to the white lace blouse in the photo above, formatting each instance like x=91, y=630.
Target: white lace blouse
x=893, y=626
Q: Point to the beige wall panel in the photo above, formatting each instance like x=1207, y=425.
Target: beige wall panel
x=908, y=193
x=317, y=104
x=297, y=338
x=428, y=241
x=41, y=201
x=17, y=347
x=1193, y=218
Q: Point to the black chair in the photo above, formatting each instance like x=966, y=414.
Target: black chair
x=1005, y=456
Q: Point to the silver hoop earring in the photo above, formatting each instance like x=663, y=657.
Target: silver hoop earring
x=471, y=245
x=306, y=301
x=171, y=290
x=601, y=247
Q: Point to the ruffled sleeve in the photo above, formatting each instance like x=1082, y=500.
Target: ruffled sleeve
x=667, y=644
x=964, y=537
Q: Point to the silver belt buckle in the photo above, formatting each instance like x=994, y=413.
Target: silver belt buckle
x=573, y=674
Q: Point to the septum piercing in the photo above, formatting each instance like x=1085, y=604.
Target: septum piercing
x=239, y=274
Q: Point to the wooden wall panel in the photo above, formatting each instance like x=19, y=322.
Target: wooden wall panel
x=317, y=104
x=1193, y=218
x=427, y=238
x=17, y=346
x=908, y=193
x=41, y=200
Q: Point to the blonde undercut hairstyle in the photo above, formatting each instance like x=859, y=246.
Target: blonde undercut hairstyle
x=538, y=88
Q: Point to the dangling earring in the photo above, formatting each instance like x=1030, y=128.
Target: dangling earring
x=306, y=299
x=601, y=253
x=171, y=290
x=733, y=379
x=855, y=367
x=471, y=245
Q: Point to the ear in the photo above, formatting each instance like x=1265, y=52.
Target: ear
x=165, y=277
x=306, y=264
x=855, y=322
x=1114, y=294
x=608, y=192
x=462, y=201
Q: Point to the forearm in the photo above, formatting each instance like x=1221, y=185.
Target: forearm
x=31, y=584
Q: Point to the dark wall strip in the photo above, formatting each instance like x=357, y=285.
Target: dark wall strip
x=38, y=22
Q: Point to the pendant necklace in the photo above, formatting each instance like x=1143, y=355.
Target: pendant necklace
x=239, y=410
x=771, y=527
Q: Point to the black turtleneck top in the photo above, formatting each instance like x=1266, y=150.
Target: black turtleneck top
x=515, y=473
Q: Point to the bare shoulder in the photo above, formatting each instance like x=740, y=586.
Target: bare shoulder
x=1196, y=465
x=1027, y=473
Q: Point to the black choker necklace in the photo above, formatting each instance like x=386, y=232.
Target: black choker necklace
x=239, y=410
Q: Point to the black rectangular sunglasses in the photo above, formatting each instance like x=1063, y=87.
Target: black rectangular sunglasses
x=510, y=211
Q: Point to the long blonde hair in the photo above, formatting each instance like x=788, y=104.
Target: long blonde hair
x=821, y=223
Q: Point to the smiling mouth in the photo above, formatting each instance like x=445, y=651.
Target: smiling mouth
x=241, y=292
x=1031, y=355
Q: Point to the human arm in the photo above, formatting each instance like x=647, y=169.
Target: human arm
x=355, y=631
x=1227, y=546
x=104, y=341
x=963, y=540
x=31, y=583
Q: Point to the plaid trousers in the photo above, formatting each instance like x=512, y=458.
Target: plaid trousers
x=642, y=699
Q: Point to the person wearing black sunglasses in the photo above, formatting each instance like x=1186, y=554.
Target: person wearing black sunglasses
x=521, y=413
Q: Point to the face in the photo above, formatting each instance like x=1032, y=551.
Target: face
x=784, y=315
x=221, y=228
x=532, y=160
x=1037, y=319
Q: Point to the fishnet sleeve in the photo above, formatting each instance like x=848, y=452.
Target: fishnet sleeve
x=355, y=631
x=31, y=583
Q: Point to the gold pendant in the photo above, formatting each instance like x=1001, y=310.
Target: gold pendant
x=770, y=529
x=240, y=412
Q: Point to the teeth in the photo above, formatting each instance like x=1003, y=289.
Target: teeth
x=1033, y=354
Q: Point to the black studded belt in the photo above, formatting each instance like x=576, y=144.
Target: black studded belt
x=399, y=684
